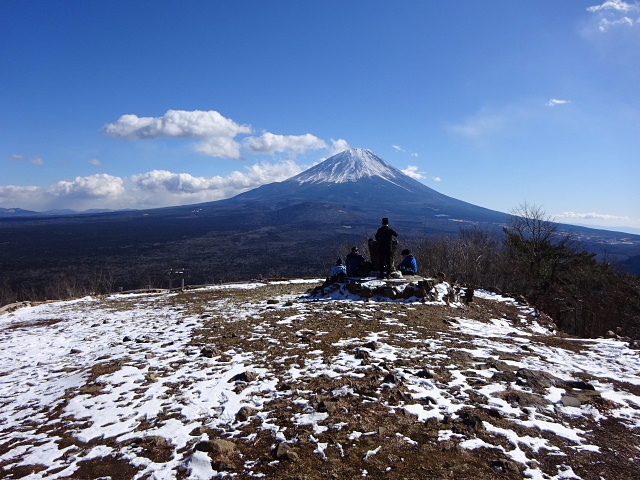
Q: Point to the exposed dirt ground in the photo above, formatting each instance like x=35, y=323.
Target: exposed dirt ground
x=392, y=442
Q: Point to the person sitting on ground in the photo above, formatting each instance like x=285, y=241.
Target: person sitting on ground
x=354, y=261
x=338, y=270
x=409, y=265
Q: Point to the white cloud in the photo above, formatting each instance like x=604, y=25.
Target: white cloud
x=95, y=191
x=95, y=161
x=616, y=13
x=295, y=144
x=554, y=101
x=100, y=185
x=599, y=220
x=216, y=131
x=437, y=179
x=398, y=148
x=591, y=216
x=338, y=146
x=412, y=171
x=22, y=158
x=158, y=188
x=617, y=5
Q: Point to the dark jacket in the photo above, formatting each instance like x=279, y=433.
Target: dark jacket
x=353, y=261
x=384, y=237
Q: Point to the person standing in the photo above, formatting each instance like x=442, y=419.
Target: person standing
x=384, y=237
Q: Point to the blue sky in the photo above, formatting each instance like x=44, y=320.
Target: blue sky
x=132, y=104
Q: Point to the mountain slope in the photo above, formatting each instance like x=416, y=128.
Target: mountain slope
x=360, y=180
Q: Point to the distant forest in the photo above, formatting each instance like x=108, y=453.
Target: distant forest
x=530, y=260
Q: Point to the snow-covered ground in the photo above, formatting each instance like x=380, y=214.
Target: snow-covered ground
x=92, y=378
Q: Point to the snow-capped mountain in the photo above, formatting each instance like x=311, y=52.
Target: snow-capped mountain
x=349, y=166
x=357, y=182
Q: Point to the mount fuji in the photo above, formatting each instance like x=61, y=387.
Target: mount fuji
x=288, y=228
x=358, y=186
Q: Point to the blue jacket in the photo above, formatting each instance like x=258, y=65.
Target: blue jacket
x=338, y=269
x=409, y=263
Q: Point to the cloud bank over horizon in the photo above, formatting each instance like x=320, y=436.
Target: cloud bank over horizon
x=154, y=189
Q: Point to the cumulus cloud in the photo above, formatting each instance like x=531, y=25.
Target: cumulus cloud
x=216, y=132
x=100, y=185
x=294, y=144
x=94, y=191
x=554, y=101
x=616, y=13
x=158, y=188
x=338, y=146
x=412, y=171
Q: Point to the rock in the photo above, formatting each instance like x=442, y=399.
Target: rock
x=424, y=374
x=503, y=466
x=363, y=355
x=245, y=413
x=474, y=422
x=327, y=406
x=570, y=401
x=390, y=378
x=285, y=452
x=373, y=345
x=272, y=301
x=203, y=446
x=208, y=352
x=524, y=399
x=579, y=385
x=244, y=377
x=222, y=446
x=538, y=381
x=75, y=351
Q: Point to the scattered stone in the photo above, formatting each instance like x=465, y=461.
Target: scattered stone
x=75, y=351
x=373, y=345
x=327, y=406
x=245, y=413
x=424, y=374
x=538, y=381
x=204, y=446
x=208, y=352
x=244, y=377
x=272, y=301
x=126, y=339
x=390, y=378
x=285, y=452
x=363, y=355
x=222, y=446
x=570, y=401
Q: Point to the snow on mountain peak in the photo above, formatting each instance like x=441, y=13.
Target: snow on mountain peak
x=349, y=166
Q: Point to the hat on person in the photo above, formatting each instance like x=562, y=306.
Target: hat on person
x=405, y=252
x=339, y=261
x=385, y=221
x=354, y=249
